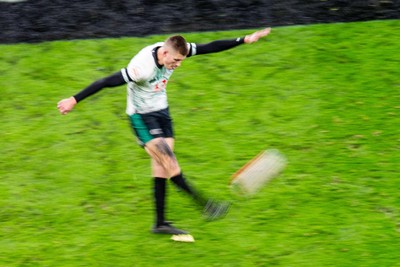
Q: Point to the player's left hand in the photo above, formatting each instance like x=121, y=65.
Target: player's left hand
x=254, y=37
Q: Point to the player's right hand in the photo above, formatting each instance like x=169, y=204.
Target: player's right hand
x=66, y=105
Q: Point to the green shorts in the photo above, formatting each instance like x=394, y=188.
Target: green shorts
x=152, y=125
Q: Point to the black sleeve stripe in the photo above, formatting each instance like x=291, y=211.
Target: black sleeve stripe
x=126, y=76
x=192, y=49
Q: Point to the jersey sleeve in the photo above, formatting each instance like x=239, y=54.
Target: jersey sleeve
x=113, y=80
x=215, y=46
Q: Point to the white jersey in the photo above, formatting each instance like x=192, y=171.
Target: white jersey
x=147, y=81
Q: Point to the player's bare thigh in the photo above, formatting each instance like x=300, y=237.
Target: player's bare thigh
x=164, y=163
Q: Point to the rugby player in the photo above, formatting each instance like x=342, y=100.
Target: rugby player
x=147, y=76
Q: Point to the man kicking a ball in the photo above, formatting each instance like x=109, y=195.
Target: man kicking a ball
x=146, y=77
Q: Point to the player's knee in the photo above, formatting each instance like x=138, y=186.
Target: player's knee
x=164, y=149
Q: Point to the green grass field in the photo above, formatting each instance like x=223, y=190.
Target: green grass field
x=75, y=190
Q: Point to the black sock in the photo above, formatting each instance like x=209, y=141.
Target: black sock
x=160, y=187
x=181, y=183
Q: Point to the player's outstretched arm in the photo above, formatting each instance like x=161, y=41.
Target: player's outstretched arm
x=221, y=45
x=66, y=105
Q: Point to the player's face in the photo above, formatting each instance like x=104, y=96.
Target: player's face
x=173, y=59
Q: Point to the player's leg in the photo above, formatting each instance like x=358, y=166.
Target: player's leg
x=160, y=175
x=160, y=186
x=161, y=162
